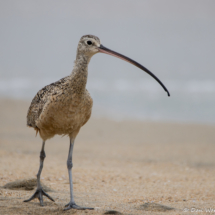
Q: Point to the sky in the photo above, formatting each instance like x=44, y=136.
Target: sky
x=33, y=33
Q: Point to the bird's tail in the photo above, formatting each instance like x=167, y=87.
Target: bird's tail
x=37, y=130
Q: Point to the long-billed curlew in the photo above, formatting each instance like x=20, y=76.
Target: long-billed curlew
x=65, y=106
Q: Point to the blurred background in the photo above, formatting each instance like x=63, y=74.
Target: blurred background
x=173, y=39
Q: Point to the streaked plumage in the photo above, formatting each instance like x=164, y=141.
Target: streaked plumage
x=64, y=106
x=60, y=108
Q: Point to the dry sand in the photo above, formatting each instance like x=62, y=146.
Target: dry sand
x=117, y=166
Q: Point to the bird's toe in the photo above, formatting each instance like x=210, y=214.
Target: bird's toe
x=39, y=193
x=74, y=206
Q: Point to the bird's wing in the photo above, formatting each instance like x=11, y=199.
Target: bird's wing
x=42, y=97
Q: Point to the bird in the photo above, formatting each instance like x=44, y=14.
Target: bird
x=63, y=107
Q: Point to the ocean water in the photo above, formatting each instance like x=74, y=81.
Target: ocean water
x=139, y=99
x=175, y=41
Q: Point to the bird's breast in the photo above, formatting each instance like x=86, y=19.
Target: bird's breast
x=66, y=115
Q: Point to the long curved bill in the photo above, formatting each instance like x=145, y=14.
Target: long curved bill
x=105, y=50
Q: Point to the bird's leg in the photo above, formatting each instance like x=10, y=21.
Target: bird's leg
x=72, y=203
x=40, y=192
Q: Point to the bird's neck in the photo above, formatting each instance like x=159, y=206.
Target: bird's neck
x=79, y=74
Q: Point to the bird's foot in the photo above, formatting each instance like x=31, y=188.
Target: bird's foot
x=39, y=194
x=74, y=206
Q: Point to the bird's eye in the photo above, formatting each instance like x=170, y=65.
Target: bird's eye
x=89, y=42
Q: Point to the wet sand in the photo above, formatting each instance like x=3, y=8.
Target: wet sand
x=117, y=166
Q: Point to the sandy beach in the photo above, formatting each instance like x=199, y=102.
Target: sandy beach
x=129, y=166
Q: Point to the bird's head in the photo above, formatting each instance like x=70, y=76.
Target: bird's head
x=89, y=45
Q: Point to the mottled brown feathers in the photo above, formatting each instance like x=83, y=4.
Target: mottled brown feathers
x=41, y=99
x=63, y=107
